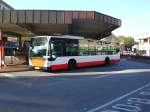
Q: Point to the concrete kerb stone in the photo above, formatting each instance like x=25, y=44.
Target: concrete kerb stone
x=14, y=69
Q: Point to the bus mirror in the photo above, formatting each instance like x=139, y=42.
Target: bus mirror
x=53, y=56
x=46, y=57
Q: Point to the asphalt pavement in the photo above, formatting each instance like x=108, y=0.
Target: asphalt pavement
x=122, y=87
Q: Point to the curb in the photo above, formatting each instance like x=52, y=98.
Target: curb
x=15, y=70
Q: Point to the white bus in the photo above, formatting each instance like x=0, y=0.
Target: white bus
x=69, y=52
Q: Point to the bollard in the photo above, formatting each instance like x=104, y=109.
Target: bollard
x=0, y=57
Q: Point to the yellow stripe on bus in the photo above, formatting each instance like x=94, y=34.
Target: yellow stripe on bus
x=37, y=62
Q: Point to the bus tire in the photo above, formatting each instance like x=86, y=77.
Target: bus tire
x=107, y=61
x=72, y=64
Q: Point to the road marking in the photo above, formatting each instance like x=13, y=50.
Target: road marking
x=117, y=99
x=139, y=100
x=127, y=108
x=102, y=76
x=30, y=74
x=7, y=75
x=127, y=71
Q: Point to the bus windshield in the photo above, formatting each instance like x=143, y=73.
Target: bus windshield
x=39, y=47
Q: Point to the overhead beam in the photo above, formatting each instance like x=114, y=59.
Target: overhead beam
x=49, y=22
x=53, y=17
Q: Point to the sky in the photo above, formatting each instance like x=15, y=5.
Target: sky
x=135, y=14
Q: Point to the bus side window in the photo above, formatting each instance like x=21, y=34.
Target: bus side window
x=83, y=50
x=71, y=47
x=57, y=49
x=92, y=50
x=117, y=50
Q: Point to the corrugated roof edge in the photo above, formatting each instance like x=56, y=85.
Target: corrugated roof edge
x=7, y=5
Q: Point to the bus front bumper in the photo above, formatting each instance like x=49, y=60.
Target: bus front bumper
x=40, y=68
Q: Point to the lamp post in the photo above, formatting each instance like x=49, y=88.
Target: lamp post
x=1, y=49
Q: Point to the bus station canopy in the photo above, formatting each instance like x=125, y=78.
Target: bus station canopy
x=49, y=22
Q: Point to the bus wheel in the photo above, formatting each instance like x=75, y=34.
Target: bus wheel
x=72, y=64
x=107, y=61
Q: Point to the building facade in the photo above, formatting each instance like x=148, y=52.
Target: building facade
x=144, y=46
x=135, y=47
x=112, y=41
x=5, y=6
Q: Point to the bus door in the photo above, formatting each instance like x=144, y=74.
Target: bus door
x=57, y=48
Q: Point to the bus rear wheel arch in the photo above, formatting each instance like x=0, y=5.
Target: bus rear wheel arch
x=72, y=64
x=107, y=61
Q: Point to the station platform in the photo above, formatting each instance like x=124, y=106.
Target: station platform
x=15, y=68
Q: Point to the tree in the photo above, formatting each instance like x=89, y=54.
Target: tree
x=128, y=43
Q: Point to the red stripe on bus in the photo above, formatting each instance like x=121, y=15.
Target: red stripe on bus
x=85, y=64
x=59, y=67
